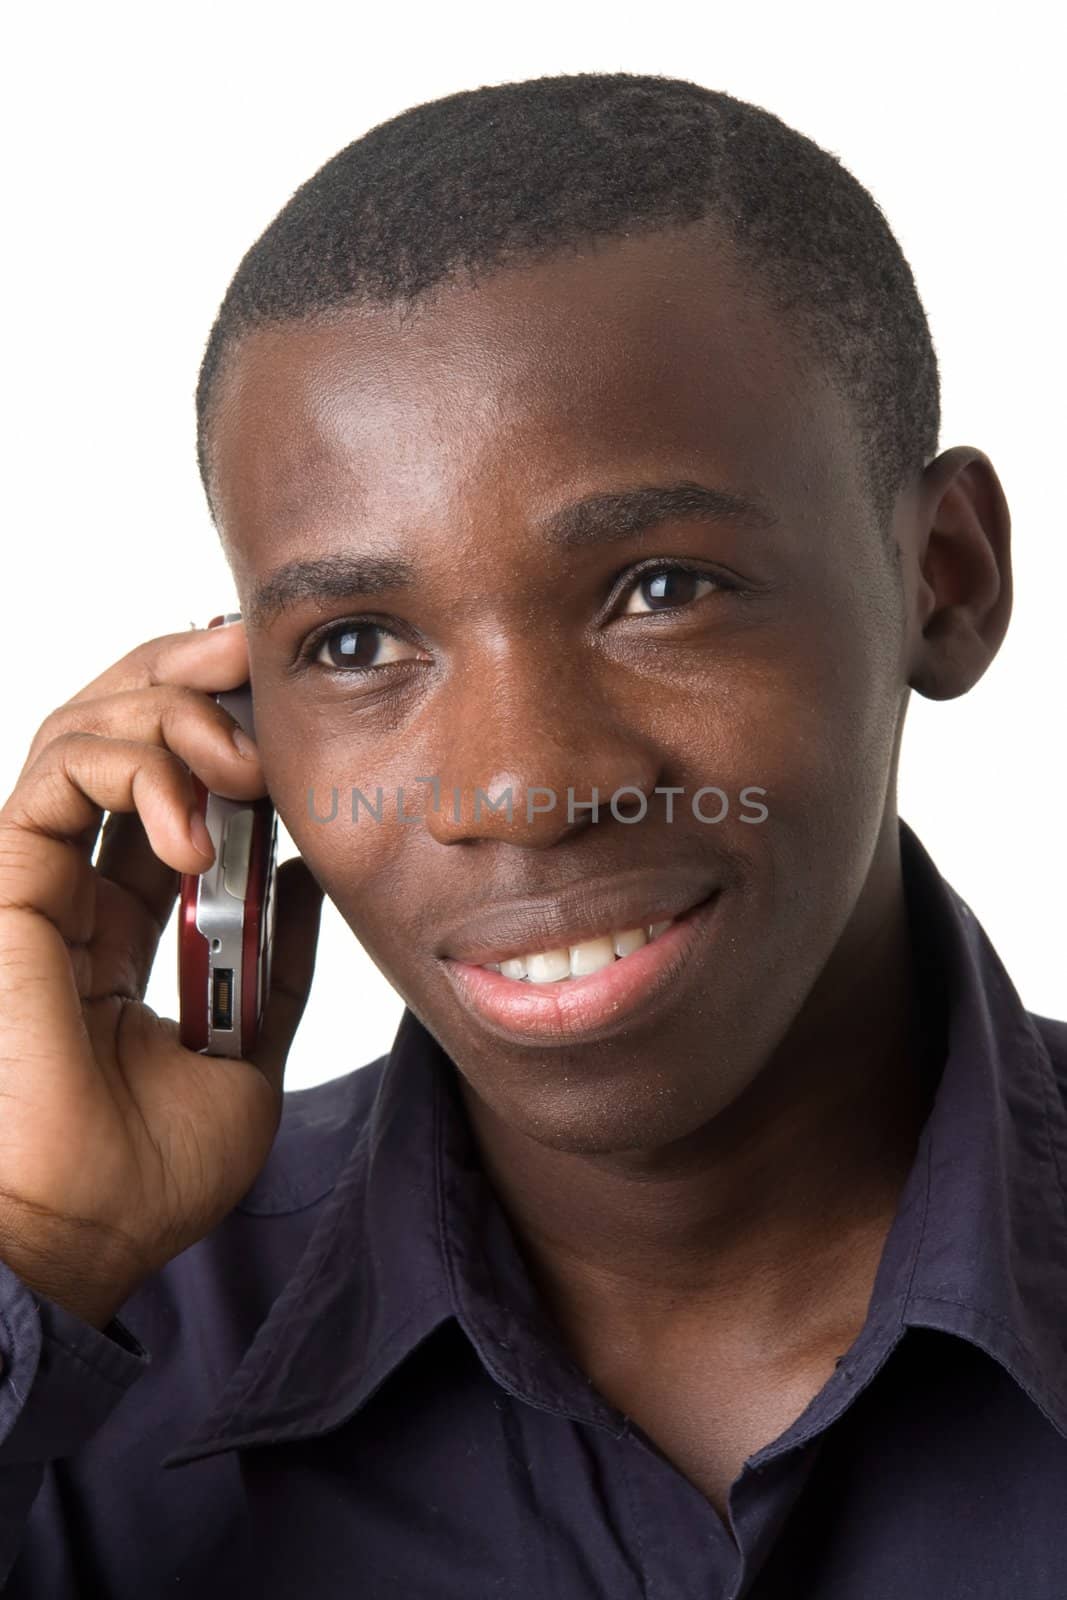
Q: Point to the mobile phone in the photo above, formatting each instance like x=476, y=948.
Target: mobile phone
x=226, y=915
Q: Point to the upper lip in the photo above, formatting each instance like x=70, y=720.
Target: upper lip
x=581, y=911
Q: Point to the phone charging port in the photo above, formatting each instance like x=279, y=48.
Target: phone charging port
x=222, y=997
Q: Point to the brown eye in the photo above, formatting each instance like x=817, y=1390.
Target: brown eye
x=667, y=588
x=349, y=648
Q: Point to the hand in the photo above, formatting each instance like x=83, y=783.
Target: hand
x=118, y=1147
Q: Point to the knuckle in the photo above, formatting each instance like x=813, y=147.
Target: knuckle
x=53, y=725
x=162, y=770
x=16, y=846
x=79, y=755
x=181, y=705
x=154, y=761
x=73, y=718
x=148, y=658
x=46, y=759
x=71, y=740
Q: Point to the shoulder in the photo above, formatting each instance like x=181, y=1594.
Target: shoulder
x=318, y=1129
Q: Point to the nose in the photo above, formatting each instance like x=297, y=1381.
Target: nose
x=536, y=757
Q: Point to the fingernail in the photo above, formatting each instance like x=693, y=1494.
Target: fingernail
x=199, y=834
x=245, y=746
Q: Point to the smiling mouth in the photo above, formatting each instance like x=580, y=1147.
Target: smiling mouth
x=579, y=960
x=554, y=1003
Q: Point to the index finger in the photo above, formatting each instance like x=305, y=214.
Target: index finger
x=212, y=659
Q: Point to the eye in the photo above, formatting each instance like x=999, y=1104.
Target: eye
x=360, y=647
x=667, y=588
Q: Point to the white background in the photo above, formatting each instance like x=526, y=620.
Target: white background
x=147, y=147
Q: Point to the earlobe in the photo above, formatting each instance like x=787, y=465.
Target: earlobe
x=958, y=561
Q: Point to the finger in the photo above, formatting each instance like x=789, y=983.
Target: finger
x=185, y=720
x=41, y=876
x=53, y=807
x=211, y=659
x=126, y=858
x=119, y=958
x=39, y=997
x=296, y=931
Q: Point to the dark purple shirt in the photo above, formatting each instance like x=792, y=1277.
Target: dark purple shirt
x=351, y=1389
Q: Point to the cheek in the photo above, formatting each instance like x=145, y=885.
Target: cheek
x=378, y=872
x=810, y=717
x=355, y=856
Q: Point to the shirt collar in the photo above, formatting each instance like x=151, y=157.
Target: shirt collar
x=979, y=1244
x=412, y=1234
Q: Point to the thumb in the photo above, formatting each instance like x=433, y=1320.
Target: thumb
x=296, y=934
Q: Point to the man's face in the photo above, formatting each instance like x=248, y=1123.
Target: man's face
x=443, y=441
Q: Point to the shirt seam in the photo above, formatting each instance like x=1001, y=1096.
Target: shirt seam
x=288, y=1430
x=1039, y=1057
x=917, y=1250
x=901, y=1300
x=116, y=1383
x=246, y=1392
x=48, y=1338
x=439, y=1200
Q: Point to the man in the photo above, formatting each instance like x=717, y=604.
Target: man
x=574, y=447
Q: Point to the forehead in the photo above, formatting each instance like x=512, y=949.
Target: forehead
x=534, y=385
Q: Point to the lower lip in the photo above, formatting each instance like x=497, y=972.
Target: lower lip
x=585, y=1009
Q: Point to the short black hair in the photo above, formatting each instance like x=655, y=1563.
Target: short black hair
x=512, y=172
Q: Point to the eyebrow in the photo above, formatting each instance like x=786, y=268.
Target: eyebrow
x=595, y=519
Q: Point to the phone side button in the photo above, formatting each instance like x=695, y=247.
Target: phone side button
x=237, y=853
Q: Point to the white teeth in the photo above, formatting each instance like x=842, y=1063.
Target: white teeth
x=590, y=956
x=579, y=960
x=548, y=966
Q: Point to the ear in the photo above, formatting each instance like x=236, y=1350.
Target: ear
x=956, y=555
